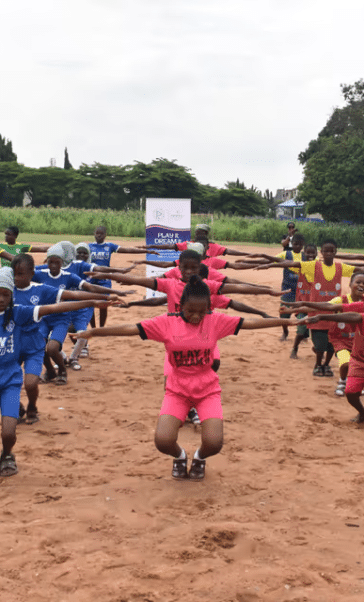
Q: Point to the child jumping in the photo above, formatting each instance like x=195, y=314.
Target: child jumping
x=191, y=381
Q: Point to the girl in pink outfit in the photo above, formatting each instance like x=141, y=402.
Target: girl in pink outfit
x=190, y=337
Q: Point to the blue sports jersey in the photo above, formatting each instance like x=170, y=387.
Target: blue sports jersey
x=35, y=294
x=101, y=254
x=64, y=280
x=79, y=267
x=11, y=342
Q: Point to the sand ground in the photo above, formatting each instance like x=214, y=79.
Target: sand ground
x=94, y=514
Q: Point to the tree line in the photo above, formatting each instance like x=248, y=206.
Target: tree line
x=119, y=187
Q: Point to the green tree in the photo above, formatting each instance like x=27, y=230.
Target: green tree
x=6, y=150
x=67, y=164
x=334, y=180
x=46, y=185
x=240, y=200
x=333, y=162
x=10, y=195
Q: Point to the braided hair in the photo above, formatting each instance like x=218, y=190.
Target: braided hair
x=195, y=288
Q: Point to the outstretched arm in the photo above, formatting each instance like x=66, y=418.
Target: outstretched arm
x=125, y=330
x=349, y=256
x=57, y=308
x=234, y=252
x=247, y=309
x=310, y=305
x=106, y=269
x=348, y=317
x=157, y=264
x=280, y=264
x=250, y=290
x=134, y=250
x=147, y=282
x=162, y=247
x=269, y=323
x=151, y=302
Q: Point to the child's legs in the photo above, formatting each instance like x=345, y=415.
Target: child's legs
x=285, y=328
x=103, y=316
x=343, y=357
x=166, y=435
x=211, y=437
x=33, y=368
x=55, y=342
x=10, y=402
x=320, y=342
x=80, y=321
x=329, y=353
x=353, y=391
x=54, y=351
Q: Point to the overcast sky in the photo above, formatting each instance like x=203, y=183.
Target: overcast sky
x=228, y=88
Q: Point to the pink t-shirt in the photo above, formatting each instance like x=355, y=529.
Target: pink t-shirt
x=174, y=289
x=212, y=274
x=215, y=262
x=190, y=349
x=181, y=246
x=213, y=248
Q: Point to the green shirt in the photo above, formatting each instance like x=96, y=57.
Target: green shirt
x=14, y=250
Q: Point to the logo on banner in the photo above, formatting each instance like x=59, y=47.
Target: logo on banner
x=159, y=214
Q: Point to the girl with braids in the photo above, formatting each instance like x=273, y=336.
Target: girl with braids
x=13, y=320
x=190, y=337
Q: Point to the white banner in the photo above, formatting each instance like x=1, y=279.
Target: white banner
x=168, y=221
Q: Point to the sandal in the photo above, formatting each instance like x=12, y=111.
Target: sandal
x=32, y=417
x=328, y=371
x=8, y=466
x=46, y=378
x=318, y=371
x=74, y=365
x=61, y=379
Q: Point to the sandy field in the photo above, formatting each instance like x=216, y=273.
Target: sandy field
x=94, y=515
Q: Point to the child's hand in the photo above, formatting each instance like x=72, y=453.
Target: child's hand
x=264, y=266
x=126, y=270
x=85, y=334
x=98, y=304
x=287, y=310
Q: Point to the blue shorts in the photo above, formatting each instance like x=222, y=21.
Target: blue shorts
x=33, y=362
x=10, y=401
x=81, y=318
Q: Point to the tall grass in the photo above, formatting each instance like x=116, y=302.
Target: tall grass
x=82, y=222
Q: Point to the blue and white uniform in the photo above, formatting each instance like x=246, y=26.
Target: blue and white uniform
x=101, y=255
x=81, y=318
x=17, y=320
x=33, y=341
x=55, y=327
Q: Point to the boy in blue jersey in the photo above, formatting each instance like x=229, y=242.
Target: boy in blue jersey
x=31, y=293
x=101, y=252
x=13, y=320
x=56, y=329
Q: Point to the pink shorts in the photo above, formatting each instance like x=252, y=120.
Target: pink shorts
x=179, y=406
x=354, y=384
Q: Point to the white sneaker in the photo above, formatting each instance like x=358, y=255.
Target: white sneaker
x=340, y=388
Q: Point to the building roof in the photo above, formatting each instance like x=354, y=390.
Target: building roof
x=291, y=203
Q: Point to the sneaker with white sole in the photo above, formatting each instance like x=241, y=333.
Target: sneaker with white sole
x=179, y=470
x=340, y=388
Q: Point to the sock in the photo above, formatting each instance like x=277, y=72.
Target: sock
x=341, y=381
x=182, y=455
x=77, y=349
x=197, y=455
